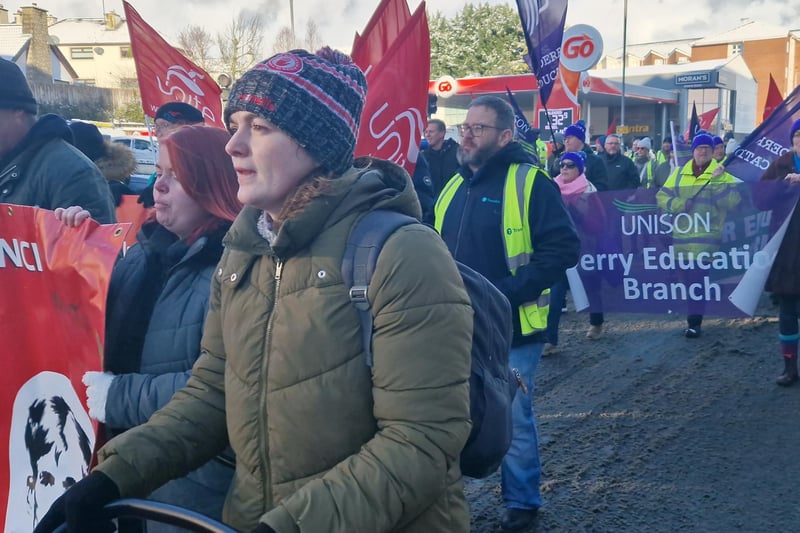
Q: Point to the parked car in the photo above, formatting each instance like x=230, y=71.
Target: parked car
x=138, y=182
x=145, y=152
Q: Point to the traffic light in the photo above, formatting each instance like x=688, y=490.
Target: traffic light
x=432, y=98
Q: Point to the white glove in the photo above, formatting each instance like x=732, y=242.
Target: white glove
x=97, y=385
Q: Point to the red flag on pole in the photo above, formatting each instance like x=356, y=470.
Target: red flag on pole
x=612, y=128
x=774, y=98
x=700, y=122
x=706, y=119
x=394, y=113
x=165, y=75
x=383, y=28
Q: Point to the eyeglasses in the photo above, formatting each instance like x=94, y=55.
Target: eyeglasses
x=476, y=130
x=568, y=165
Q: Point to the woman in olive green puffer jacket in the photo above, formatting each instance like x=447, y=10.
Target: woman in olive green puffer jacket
x=323, y=442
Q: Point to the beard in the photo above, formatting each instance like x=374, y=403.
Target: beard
x=476, y=157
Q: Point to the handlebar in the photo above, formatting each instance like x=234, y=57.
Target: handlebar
x=163, y=513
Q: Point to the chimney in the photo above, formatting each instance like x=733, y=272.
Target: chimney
x=34, y=23
x=51, y=20
x=3, y=14
x=112, y=20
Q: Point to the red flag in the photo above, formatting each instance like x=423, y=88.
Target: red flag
x=700, y=122
x=706, y=119
x=383, y=28
x=612, y=128
x=165, y=75
x=394, y=113
x=774, y=98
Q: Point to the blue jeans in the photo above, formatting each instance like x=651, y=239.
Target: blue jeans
x=521, y=468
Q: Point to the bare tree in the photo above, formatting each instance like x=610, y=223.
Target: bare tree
x=240, y=45
x=313, y=36
x=196, y=44
x=284, y=41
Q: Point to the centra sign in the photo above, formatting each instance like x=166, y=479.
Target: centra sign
x=697, y=78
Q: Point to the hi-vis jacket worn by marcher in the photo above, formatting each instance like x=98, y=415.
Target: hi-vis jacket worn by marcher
x=322, y=444
x=703, y=196
x=507, y=221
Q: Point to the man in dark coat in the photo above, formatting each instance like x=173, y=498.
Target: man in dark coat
x=38, y=164
x=441, y=154
x=622, y=173
x=477, y=220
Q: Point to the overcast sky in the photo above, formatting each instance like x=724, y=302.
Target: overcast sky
x=338, y=20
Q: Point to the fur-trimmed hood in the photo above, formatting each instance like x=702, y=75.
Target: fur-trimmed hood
x=118, y=164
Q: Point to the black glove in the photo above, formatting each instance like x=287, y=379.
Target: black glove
x=80, y=507
x=263, y=528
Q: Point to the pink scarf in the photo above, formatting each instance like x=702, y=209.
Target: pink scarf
x=576, y=186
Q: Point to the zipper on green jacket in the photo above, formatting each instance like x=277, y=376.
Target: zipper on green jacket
x=262, y=404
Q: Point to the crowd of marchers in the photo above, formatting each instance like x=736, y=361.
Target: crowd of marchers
x=234, y=380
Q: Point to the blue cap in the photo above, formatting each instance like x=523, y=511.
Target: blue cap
x=579, y=158
x=702, y=139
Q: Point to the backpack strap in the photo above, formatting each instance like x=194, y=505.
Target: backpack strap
x=364, y=244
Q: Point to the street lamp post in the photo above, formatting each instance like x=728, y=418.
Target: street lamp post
x=624, y=61
x=291, y=18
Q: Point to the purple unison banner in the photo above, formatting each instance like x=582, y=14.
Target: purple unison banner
x=526, y=136
x=766, y=143
x=543, y=25
x=639, y=254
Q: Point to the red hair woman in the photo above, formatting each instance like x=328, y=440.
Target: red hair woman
x=158, y=299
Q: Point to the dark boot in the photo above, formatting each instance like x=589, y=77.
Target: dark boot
x=789, y=375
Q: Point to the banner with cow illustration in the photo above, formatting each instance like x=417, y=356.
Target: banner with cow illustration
x=53, y=282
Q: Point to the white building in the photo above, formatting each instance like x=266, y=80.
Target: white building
x=98, y=49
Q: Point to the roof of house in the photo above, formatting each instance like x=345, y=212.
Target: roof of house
x=87, y=31
x=12, y=41
x=751, y=30
x=662, y=48
x=734, y=62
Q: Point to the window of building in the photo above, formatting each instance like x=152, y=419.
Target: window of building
x=81, y=53
x=125, y=51
x=734, y=49
x=85, y=81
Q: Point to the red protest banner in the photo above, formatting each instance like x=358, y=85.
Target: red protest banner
x=54, y=282
x=394, y=113
x=165, y=75
x=383, y=28
x=130, y=210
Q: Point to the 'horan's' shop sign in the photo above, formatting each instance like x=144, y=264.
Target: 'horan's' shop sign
x=694, y=79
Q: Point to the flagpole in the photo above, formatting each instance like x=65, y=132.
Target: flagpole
x=291, y=17
x=624, y=61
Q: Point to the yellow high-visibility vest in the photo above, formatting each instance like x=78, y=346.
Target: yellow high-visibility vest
x=516, y=235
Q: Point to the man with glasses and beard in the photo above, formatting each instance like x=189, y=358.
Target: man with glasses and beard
x=503, y=216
